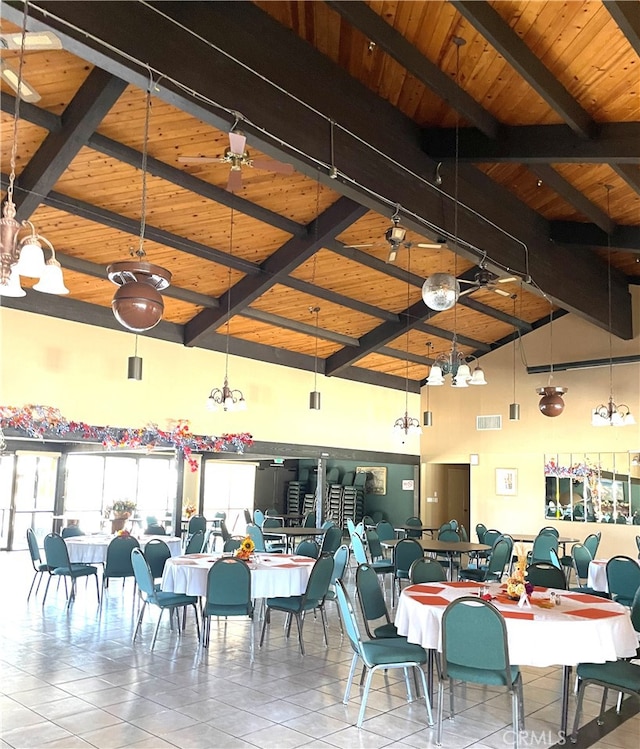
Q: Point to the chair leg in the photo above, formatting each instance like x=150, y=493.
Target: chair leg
x=46, y=590
x=266, y=620
x=32, y=582
x=603, y=705
x=98, y=590
x=425, y=692
x=300, y=622
x=451, y=696
x=195, y=613
x=139, y=621
x=440, y=712
x=576, y=720
x=365, y=697
x=323, y=616
x=354, y=660
x=155, y=633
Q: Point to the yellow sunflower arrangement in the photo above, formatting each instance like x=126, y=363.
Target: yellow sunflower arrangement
x=247, y=547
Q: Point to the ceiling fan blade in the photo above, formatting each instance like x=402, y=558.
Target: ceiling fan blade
x=33, y=40
x=467, y=291
x=358, y=246
x=271, y=165
x=511, y=279
x=430, y=246
x=25, y=91
x=237, y=142
x=234, y=183
x=502, y=292
x=197, y=159
x=472, y=283
x=393, y=254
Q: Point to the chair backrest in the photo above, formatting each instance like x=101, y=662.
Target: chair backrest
x=272, y=522
x=195, y=543
x=546, y=575
x=541, y=546
x=454, y=524
x=143, y=576
x=474, y=635
x=491, y=536
x=319, y=579
x=34, y=551
x=413, y=520
x=638, y=545
x=71, y=531
x=156, y=552
x=231, y=544
x=351, y=526
x=247, y=516
x=272, y=511
x=328, y=524
x=197, y=523
x=332, y=540
x=623, y=578
x=359, y=552
x=118, y=562
x=481, y=529
x=308, y=548
x=426, y=570
x=406, y=551
x=257, y=536
x=449, y=535
x=555, y=559
x=635, y=611
x=360, y=530
x=550, y=529
x=258, y=517
x=499, y=559
x=581, y=557
x=155, y=529
x=349, y=621
x=55, y=551
x=367, y=520
x=592, y=541
x=229, y=588
x=340, y=561
x=224, y=531
x=462, y=532
x=373, y=542
x=310, y=520
x=385, y=531
x=445, y=527
x=370, y=596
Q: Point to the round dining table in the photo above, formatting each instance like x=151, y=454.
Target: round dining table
x=93, y=549
x=597, y=575
x=583, y=628
x=272, y=575
x=450, y=548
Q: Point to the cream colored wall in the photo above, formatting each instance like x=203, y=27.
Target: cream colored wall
x=523, y=444
x=81, y=370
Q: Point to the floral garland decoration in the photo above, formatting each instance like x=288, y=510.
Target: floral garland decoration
x=38, y=421
x=577, y=470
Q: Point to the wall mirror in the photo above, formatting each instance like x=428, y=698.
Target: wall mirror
x=593, y=487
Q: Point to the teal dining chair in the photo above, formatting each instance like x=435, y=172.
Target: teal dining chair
x=156, y=552
x=623, y=578
x=427, y=570
x=57, y=556
x=405, y=552
x=39, y=567
x=372, y=604
x=118, y=561
x=380, y=654
x=163, y=600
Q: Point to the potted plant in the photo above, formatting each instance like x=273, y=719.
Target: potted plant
x=119, y=512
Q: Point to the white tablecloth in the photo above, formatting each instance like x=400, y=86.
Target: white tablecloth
x=93, y=549
x=273, y=575
x=597, y=575
x=562, y=636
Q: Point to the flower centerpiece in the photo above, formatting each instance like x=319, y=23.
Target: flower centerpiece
x=124, y=533
x=121, y=508
x=190, y=509
x=516, y=583
x=247, y=547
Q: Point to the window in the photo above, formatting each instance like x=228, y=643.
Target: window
x=229, y=487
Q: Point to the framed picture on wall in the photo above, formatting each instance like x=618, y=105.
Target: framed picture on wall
x=376, y=482
x=507, y=481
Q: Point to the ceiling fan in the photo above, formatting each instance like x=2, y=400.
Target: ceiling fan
x=237, y=157
x=33, y=41
x=395, y=238
x=485, y=279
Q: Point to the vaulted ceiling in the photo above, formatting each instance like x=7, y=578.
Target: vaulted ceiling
x=364, y=100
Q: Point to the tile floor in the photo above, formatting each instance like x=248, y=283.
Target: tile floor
x=75, y=680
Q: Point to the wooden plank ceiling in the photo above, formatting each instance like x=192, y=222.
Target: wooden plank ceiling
x=365, y=100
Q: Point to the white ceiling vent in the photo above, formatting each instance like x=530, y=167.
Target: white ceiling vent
x=484, y=423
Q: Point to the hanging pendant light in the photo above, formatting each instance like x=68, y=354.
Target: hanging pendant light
x=441, y=290
x=611, y=415
x=551, y=404
x=314, y=395
x=514, y=408
x=229, y=399
x=134, y=365
x=138, y=305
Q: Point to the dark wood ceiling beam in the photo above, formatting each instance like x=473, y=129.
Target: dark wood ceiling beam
x=30, y=113
x=99, y=215
x=85, y=111
x=615, y=142
x=193, y=184
x=377, y=30
x=496, y=314
x=380, y=153
x=572, y=195
x=363, y=258
x=627, y=15
x=299, y=327
x=277, y=267
x=344, y=301
x=589, y=235
x=498, y=33
x=630, y=174
x=448, y=335
x=99, y=271
x=404, y=355
x=381, y=335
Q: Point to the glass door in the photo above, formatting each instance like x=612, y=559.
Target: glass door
x=32, y=500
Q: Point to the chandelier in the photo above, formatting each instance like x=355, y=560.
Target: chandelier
x=454, y=362
x=24, y=256
x=228, y=398
x=407, y=425
x=611, y=415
